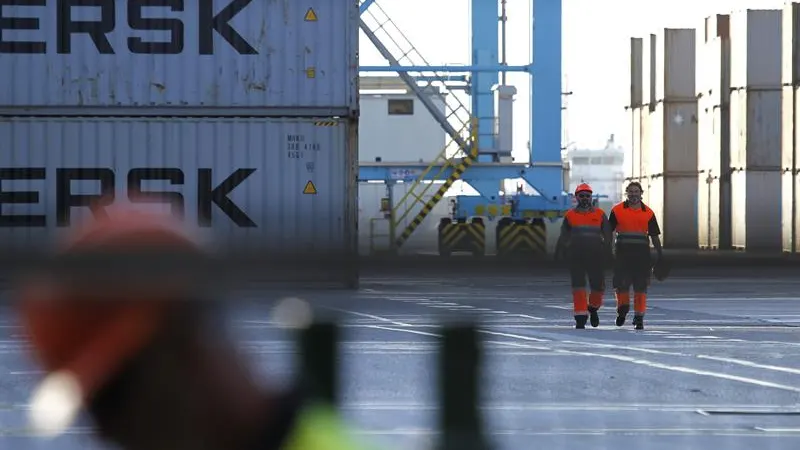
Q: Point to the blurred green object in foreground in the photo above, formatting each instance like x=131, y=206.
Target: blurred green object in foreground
x=319, y=427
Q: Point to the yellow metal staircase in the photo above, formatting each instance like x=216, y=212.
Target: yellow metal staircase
x=415, y=195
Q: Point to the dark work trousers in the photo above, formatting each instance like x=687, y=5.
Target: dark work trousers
x=587, y=261
x=632, y=267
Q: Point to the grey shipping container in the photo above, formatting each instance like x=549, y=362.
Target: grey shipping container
x=675, y=64
x=245, y=57
x=255, y=187
x=756, y=48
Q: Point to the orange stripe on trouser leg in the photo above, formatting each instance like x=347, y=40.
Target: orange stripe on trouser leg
x=596, y=300
x=639, y=303
x=623, y=299
x=580, y=305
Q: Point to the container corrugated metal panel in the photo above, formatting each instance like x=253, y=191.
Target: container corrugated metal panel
x=788, y=216
x=647, y=142
x=788, y=108
x=714, y=187
x=756, y=213
x=675, y=64
x=756, y=48
x=649, y=69
x=636, y=148
x=674, y=201
x=263, y=166
x=717, y=69
x=708, y=190
x=756, y=129
x=637, y=54
x=679, y=137
x=258, y=54
x=790, y=59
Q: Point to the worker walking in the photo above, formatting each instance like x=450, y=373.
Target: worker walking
x=586, y=240
x=635, y=225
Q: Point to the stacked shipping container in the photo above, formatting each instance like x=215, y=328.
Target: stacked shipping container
x=671, y=167
x=790, y=79
x=239, y=115
x=755, y=143
x=713, y=159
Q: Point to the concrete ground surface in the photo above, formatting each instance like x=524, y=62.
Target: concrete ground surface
x=718, y=365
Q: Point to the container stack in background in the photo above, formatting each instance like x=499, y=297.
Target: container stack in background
x=671, y=168
x=755, y=124
x=713, y=159
x=790, y=77
x=635, y=108
x=246, y=127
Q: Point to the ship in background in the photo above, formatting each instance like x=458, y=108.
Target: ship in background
x=603, y=169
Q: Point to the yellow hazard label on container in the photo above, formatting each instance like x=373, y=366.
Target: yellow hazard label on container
x=311, y=72
x=310, y=189
x=311, y=16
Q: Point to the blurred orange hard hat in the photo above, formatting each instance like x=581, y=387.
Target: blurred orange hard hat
x=583, y=187
x=82, y=344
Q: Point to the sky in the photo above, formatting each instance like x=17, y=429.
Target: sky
x=596, y=52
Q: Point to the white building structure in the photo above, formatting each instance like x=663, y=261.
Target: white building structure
x=603, y=169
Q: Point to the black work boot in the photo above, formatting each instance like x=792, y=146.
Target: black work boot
x=622, y=312
x=594, y=319
x=638, y=322
x=580, y=322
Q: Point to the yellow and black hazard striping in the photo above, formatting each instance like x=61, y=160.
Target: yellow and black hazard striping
x=461, y=236
x=458, y=171
x=326, y=123
x=517, y=237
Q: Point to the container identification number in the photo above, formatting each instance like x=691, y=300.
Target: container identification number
x=296, y=146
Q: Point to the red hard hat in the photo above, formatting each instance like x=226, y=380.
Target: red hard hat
x=83, y=344
x=583, y=187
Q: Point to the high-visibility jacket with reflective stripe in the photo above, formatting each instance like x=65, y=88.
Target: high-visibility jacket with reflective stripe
x=632, y=225
x=586, y=227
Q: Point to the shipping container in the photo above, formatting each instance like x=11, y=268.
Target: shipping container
x=790, y=60
x=649, y=52
x=674, y=128
x=713, y=195
x=675, y=64
x=756, y=129
x=716, y=70
x=636, y=147
x=674, y=202
x=254, y=186
x=789, y=223
x=756, y=49
x=756, y=210
x=637, y=96
x=717, y=25
x=244, y=57
x=647, y=142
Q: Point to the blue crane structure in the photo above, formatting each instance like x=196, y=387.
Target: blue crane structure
x=475, y=156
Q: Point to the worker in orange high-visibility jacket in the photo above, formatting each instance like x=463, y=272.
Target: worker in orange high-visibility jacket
x=586, y=240
x=635, y=225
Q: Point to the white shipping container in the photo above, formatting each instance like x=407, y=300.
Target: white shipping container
x=790, y=63
x=675, y=137
x=756, y=48
x=649, y=53
x=788, y=113
x=716, y=71
x=637, y=95
x=674, y=201
x=270, y=186
x=756, y=129
x=647, y=142
x=756, y=210
x=636, y=148
x=713, y=185
x=270, y=57
x=789, y=215
x=675, y=64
